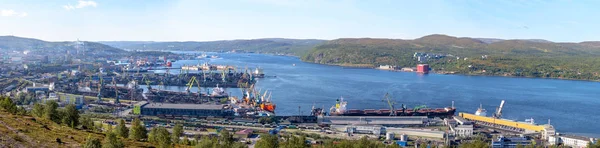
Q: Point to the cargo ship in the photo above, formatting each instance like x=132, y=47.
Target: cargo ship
x=340, y=110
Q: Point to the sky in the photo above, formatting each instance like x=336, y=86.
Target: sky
x=209, y=20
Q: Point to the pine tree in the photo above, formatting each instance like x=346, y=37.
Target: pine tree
x=177, y=132
x=267, y=141
x=86, y=123
x=91, y=142
x=51, y=112
x=71, y=116
x=138, y=130
x=152, y=135
x=163, y=138
x=38, y=110
x=111, y=141
x=122, y=130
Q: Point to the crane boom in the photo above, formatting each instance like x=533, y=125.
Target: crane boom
x=499, y=111
x=391, y=104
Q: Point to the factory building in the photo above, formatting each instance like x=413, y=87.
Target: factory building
x=459, y=126
x=199, y=110
x=512, y=142
x=360, y=129
x=544, y=130
x=570, y=140
x=417, y=132
x=373, y=120
x=423, y=68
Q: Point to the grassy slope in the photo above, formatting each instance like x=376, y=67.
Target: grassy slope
x=25, y=131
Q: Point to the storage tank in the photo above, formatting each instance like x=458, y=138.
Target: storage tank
x=389, y=136
x=403, y=137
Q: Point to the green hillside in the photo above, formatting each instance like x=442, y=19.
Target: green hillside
x=528, y=58
x=271, y=45
x=10, y=43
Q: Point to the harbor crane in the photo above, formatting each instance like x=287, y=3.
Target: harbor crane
x=148, y=82
x=190, y=84
x=390, y=103
x=99, y=88
x=498, y=113
x=116, y=91
x=417, y=108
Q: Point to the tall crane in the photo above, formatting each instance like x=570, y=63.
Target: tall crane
x=390, y=103
x=145, y=79
x=498, y=113
x=116, y=91
x=190, y=84
x=99, y=88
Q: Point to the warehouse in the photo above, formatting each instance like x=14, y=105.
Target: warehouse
x=200, y=110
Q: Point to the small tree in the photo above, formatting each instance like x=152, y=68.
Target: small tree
x=163, y=138
x=71, y=116
x=122, y=130
x=185, y=141
x=51, y=112
x=152, y=135
x=7, y=104
x=109, y=129
x=177, y=132
x=138, y=130
x=38, y=110
x=91, y=142
x=267, y=141
x=207, y=143
x=86, y=123
x=111, y=141
x=225, y=138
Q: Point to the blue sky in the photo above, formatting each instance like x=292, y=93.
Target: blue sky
x=199, y=20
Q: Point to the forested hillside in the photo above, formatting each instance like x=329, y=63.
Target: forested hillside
x=529, y=58
x=270, y=45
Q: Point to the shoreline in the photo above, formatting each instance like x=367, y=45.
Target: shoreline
x=453, y=73
x=367, y=66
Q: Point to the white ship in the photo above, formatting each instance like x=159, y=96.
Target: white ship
x=218, y=92
x=481, y=111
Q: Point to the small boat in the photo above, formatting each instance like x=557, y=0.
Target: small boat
x=293, y=64
x=202, y=56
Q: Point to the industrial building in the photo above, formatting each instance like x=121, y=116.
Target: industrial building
x=570, y=140
x=200, y=110
x=423, y=68
x=359, y=129
x=459, y=126
x=417, y=132
x=373, y=120
x=521, y=127
x=512, y=142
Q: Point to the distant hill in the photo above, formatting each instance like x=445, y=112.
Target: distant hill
x=35, y=45
x=535, y=58
x=267, y=45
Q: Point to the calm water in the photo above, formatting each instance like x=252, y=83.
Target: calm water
x=572, y=106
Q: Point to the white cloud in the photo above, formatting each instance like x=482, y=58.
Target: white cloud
x=10, y=12
x=81, y=4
